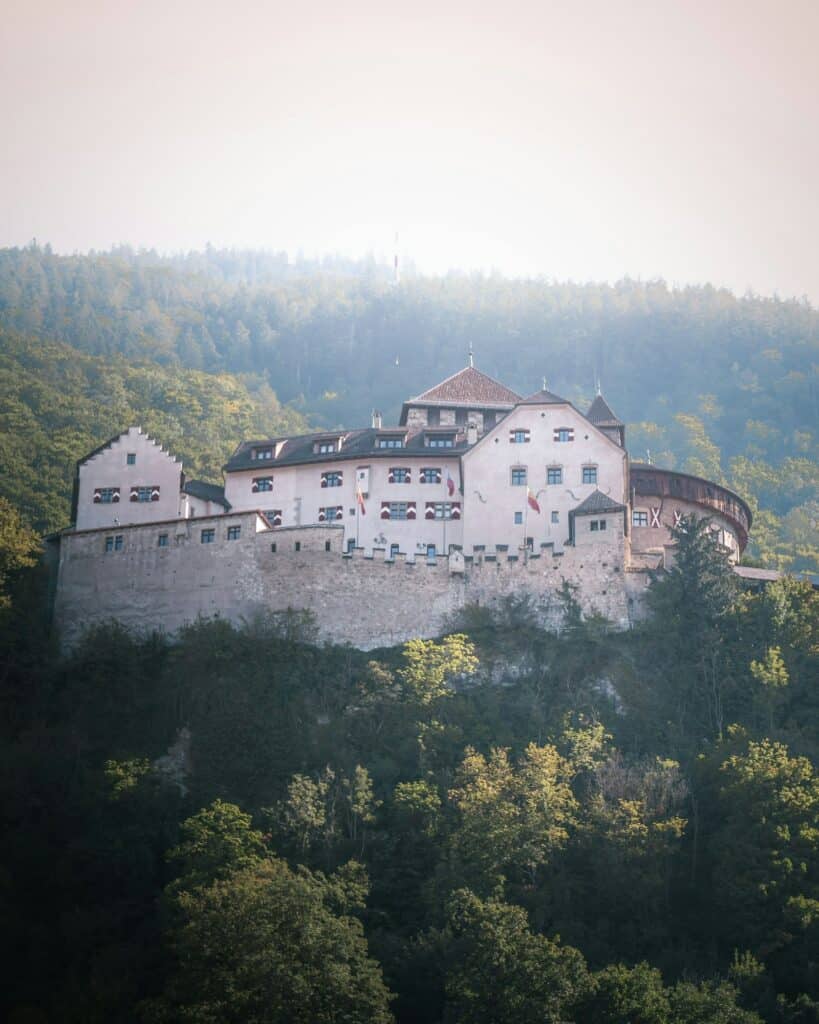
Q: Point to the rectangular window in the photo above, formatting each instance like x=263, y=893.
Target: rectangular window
x=350, y=545
x=518, y=476
x=297, y=546
x=398, y=510
x=144, y=493
x=326, y=447
x=555, y=517
x=390, y=442
x=394, y=550
x=590, y=474
x=208, y=536
x=430, y=475
x=441, y=442
x=431, y=552
x=594, y=525
x=262, y=483
x=564, y=434
x=554, y=475
x=519, y=436
x=327, y=545
x=109, y=544
x=332, y=479
x=273, y=547
x=162, y=540
x=262, y=454
x=518, y=519
x=106, y=494
x=330, y=513
x=442, y=510
x=118, y=542
x=639, y=518
x=433, y=417
x=130, y=459
x=234, y=532
x=399, y=475
x=274, y=516
x=602, y=524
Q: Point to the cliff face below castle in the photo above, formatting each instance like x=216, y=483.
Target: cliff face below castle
x=163, y=576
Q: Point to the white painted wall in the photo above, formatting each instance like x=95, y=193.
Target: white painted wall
x=298, y=494
x=153, y=467
x=490, y=500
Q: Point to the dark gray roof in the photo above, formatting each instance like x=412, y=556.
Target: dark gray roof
x=544, y=397
x=597, y=502
x=600, y=414
x=356, y=444
x=468, y=387
x=206, y=492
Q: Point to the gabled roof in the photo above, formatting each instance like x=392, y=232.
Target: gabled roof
x=468, y=387
x=597, y=502
x=600, y=414
x=544, y=397
x=206, y=492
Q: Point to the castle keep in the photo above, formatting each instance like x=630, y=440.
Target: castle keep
x=384, y=532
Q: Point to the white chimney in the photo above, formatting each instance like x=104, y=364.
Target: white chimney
x=472, y=433
x=376, y=419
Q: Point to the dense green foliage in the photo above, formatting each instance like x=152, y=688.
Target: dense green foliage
x=58, y=404
x=507, y=825
x=722, y=387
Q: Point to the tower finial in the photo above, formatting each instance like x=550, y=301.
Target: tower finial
x=544, y=381
x=471, y=356
x=599, y=389
x=648, y=456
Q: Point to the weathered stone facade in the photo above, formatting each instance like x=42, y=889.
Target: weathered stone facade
x=368, y=601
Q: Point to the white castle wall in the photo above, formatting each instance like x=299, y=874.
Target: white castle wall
x=365, y=601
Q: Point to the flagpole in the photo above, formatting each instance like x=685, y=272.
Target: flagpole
x=525, y=522
x=357, y=511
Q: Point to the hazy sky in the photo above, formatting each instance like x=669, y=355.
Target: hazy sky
x=583, y=140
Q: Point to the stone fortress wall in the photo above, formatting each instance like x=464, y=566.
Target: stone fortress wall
x=368, y=601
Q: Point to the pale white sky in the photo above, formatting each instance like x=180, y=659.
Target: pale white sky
x=583, y=140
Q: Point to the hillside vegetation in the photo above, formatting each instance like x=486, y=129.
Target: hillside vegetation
x=719, y=386
x=498, y=827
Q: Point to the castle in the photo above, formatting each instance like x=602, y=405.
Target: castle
x=384, y=532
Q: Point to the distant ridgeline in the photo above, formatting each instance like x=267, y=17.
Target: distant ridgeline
x=384, y=532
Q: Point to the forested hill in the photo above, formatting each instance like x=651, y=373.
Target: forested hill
x=721, y=386
x=57, y=404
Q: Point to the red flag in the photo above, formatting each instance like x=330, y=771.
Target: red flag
x=359, y=497
x=450, y=484
x=532, y=500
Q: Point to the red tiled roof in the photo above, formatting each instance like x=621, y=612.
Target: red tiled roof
x=468, y=387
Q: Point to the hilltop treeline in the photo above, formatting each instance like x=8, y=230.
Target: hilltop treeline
x=505, y=825
x=712, y=384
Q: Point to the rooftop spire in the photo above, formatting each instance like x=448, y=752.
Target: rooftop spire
x=599, y=389
x=544, y=381
x=471, y=356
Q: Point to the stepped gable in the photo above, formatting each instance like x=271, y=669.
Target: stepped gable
x=544, y=397
x=601, y=415
x=468, y=387
x=206, y=492
x=597, y=502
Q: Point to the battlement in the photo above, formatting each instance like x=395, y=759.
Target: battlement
x=161, y=576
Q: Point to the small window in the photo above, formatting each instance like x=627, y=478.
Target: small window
x=262, y=454
x=564, y=434
x=555, y=517
x=399, y=475
x=430, y=475
x=326, y=447
x=518, y=477
x=518, y=519
x=108, y=495
x=262, y=483
x=130, y=459
x=447, y=441
x=109, y=544
x=327, y=545
x=554, y=475
x=442, y=510
x=332, y=479
x=398, y=510
x=144, y=493
x=390, y=442
x=234, y=532
x=162, y=540
x=273, y=547
x=590, y=474
x=431, y=552
x=639, y=518
x=118, y=542
x=297, y=546
x=519, y=436
x=394, y=550
x=602, y=524
x=594, y=525
x=433, y=417
x=350, y=545
x=208, y=536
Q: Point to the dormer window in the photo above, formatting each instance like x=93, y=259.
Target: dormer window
x=440, y=440
x=327, y=446
x=262, y=454
x=390, y=441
